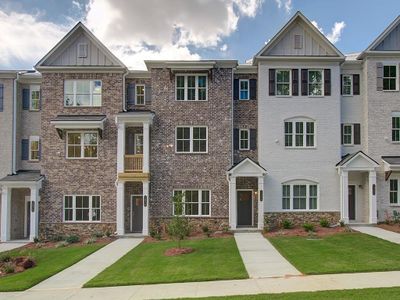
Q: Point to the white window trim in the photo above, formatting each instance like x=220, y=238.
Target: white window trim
x=185, y=75
x=82, y=145
x=304, y=121
x=394, y=115
x=74, y=208
x=248, y=89
x=351, y=85
x=200, y=202
x=240, y=139
x=322, y=85
x=91, y=94
x=391, y=64
x=191, y=139
x=144, y=94
x=398, y=193
x=34, y=88
x=307, y=184
x=33, y=138
x=352, y=134
x=290, y=83
x=86, y=50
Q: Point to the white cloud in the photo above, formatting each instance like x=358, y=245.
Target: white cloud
x=285, y=4
x=336, y=31
x=224, y=47
x=76, y=4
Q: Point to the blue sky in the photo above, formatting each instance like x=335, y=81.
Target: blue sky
x=181, y=29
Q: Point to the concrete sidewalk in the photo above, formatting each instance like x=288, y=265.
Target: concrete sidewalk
x=379, y=233
x=260, y=258
x=84, y=270
x=12, y=245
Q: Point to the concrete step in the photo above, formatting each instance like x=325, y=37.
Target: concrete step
x=131, y=236
x=246, y=229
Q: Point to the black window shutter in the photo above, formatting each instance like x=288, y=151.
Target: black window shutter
x=272, y=82
x=1, y=97
x=25, y=149
x=341, y=133
x=25, y=99
x=253, y=89
x=327, y=82
x=341, y=84
x=236, y=89
x=40, y=99
x=356, y=84
x=357, y=134
x=40, y=149
x=304, y=82
x=131, y=94
x=253, y=139
x=235, y=139
x=379, y=76
x=295, y=82
x=147, y=94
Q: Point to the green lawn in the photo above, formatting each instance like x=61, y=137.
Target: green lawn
x=364, y=294
x=49, y=262
x=213, y=259
x=339, y=253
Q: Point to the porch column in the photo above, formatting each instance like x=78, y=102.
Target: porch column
x=146, y=204
x=344, y=196
x=5, y=213
x=232, y=203
x=120, y=208
x=260, y=194
x=146, y=147
x=120, y=148
x=34, y=225
x=372, y=197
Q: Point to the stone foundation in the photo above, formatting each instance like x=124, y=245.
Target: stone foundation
x=49, y=230
x=213, y=224
x=273, y=220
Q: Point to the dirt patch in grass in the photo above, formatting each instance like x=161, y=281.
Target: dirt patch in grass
x=299, y=231
x=390, y=227
x=177, y=251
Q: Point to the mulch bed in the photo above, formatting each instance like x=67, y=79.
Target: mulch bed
x=17, y=264
x=178, y=251
x=193, y=236
x=53, y=244
x=299, y=231
x=390, y=227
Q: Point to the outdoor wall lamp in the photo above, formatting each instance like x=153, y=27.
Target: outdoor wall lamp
x=145, y=200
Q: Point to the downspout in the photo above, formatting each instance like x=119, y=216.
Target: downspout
x=124, y=90
x=14, y=127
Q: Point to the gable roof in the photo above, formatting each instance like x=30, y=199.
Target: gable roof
x=68, y=39
x=348, y=158
x=248, y=160
x=297, y=16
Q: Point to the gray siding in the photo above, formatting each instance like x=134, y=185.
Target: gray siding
x=391, y=42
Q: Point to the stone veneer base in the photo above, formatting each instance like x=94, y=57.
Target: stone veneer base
x=49, y=230
x=273, y=220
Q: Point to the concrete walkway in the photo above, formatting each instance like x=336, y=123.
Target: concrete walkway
x=219, y=288
x=379, y=233
x=12, y=245
x=84, y=270
x=260, y=258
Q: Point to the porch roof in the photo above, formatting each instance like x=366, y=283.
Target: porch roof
x=247, y=167
x=65, y=122
x=349, y=158
x=391, y=164
x=135, y=116
x=22, y=177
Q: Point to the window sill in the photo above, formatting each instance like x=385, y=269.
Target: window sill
x=320, y=96
x=244, y=149
x=195, y=153
x=34, y=110
x=283, y=96
x=301, y=148
x=195, y=216
x=191, y=100
x=81, y=158
x=82, y=106
x=34, y=161
x=394, y=205
x=298, y=210
x=81, y=222
x=389, y=91
x=347, y=95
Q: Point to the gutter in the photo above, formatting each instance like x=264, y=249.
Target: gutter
x=14, y=127
x=124, y=90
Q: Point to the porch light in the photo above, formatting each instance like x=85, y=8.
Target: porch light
x=145, y=200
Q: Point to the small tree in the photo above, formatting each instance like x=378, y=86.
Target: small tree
x=179, y=227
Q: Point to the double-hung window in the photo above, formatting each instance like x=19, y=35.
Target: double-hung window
x=34, y=101
x=315, y=83
x=299, y=196
x=348, y=137
x=82, y=208
x=191, y=87
x=396, y=127
x=394, y=192
x=34, y=148
x=191, y=139
x=82, y=93
x=299, y=134
x=194, y=202
x=282, y=82
x=347, y=85
x=390, y=78
x=82, y=144
x=140, y=94
x=244, y=93
x=244, y=139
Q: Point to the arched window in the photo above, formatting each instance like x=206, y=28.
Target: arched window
x=300, y=195
x=300, y=133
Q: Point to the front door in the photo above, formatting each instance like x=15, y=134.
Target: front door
x=137, y=213
x=244, y=208
x=27, y=229
x=352, y=202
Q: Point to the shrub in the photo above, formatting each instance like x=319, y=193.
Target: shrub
x=206, y=230
x=5, y=258
x=28, y=263
x=225, y=229
x=287, y=224
x=57, y=238
x=61, y=244
x=308, y=227
x=36, y=240
x=179, y=227
x=342, y=223
x=98, y=234
x=71, y=239
x=324, y=223
x=8, y=268
x=108, y=233
x=155, y=232
x=90, y=240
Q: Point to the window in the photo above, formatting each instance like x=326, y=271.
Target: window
x=394, y=191
x=396, y=127
x=244, y=89
x=389, y=78
x=195, y=202
x=191, y=87
x=82, y=50
x=34, y=101
x=282, y=82
x=298, y=41
x=191, y=139
x=82, y=93
x=82, y=144
x=348, y=138
x=34, y=148
x=140, y=94
x=299, y=196
x=347, y=85
x=244, y=138
x=138, y=143
x=315, y=82
x=300, y=134
x=82, y=208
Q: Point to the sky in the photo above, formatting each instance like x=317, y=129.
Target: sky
x=136, y=30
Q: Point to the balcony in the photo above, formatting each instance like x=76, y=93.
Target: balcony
x=133, y=163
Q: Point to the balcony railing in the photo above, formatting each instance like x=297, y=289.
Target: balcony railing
x=133, y=163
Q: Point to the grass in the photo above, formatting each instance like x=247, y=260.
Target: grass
x=49, y=262
x=213, y=259
x=364, y=294
x=339, y=253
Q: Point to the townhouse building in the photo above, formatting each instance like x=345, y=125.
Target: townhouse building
x=303, y=132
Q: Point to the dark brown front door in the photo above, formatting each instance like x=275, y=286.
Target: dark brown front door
x=137, y=213
x=244, y=208
x=28, y=218
x=352, y=202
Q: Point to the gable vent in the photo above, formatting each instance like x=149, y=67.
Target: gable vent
x=82, y=50
x=298, y=41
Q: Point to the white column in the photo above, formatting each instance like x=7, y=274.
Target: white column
x=146, y=204
x=260, y=194
x=5, y=214
x=146, y=147
x=34, y=226
x=372, y=197
x=344, y=196
x=232, y=203
x=120, y=148
x=120, y=208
